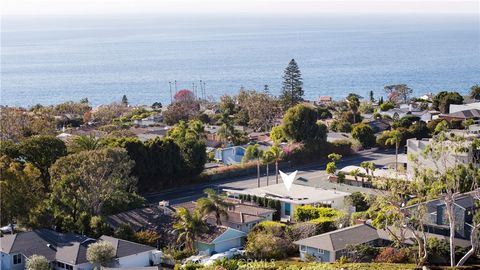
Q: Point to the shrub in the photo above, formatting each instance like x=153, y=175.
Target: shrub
x=387, y=106
x=364, y=134
x=147, y=237
x=37, y=262
x=125, y=232
x=392, y=255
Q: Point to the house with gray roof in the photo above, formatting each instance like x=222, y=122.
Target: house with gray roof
x=329, y=247
x=66, y=251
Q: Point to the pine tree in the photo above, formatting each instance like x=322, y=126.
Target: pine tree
x=292, y=91
x=125, y=100
x=372, y=98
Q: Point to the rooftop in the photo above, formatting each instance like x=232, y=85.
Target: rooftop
x=298, y=194
x=339, y=239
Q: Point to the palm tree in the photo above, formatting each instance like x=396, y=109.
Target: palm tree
x=355, y=174
x=84, y=143
x=395, y=138
x=277, y=153
x=213, y=203
x=253, y=152
x=267, y=158
x=188, y=227
x=475, y=92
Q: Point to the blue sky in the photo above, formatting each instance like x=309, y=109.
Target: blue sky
x=78, y=7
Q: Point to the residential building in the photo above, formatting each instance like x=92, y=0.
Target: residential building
x=329, y=247
x=219, y=239
x=241, y=216
x=436, y=219
x=153, y=218
x=462, y=107
x=416, y=148
x=66, y=251
x=473, y=114
x=230, y=155
x=298, y=195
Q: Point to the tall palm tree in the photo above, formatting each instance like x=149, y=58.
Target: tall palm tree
x=355, y=174
x=395, y=138
x=213, y=204
x=268, y=158
x=84, y=143
x=188, y=227
x=277, y=153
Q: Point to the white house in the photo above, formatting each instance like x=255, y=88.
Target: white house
x=298, y=195
x=66, y=251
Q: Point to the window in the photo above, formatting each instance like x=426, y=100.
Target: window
x=321, y=251
x=68, y=267
x=17, y=259
x=303, y=248
x=60, y=265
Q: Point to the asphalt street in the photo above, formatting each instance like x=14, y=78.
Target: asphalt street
x=314, y=174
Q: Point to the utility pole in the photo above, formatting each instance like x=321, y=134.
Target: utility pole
x=175, y=86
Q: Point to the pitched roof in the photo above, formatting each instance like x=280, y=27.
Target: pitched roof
x=68, y=248
x=215, y=234
x=148, y=218
x=125, y=248
x=465, y=114
x=339, y=239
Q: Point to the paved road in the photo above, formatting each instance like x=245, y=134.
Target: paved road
x=315, y=174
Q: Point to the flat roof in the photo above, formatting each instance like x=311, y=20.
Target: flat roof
x=298, y=194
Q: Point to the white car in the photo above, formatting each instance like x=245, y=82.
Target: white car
x=9, y=228
x=215, y=258
x=196, y=259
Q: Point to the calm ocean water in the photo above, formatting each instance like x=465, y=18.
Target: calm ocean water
x=53, y=59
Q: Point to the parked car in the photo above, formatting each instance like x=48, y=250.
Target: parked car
x=195, y=259
x=215, y=258
x=9, y=228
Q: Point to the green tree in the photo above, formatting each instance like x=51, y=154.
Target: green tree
x=300, y=125
x=125, y=232
x=353, y=102
x=277, y=153
x=364, y=134
x=395, y=138
x=125, y=100
x=443, y=99
x=100, y=254
x=372, y=98
x=358, y=200
x=292, y=91
x=42, y=152
x=92, y=182
x=37, y=262
x=213, y=204
x=188, y=227
x=21, y=190
x=475, y=92
x=83, y=143
x=267, y=158
x=332, y=166
x=277, y=134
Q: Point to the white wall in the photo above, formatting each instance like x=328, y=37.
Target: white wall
x=136, y=260
x=228, y=244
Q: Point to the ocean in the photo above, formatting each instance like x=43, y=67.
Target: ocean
x=49, y=60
